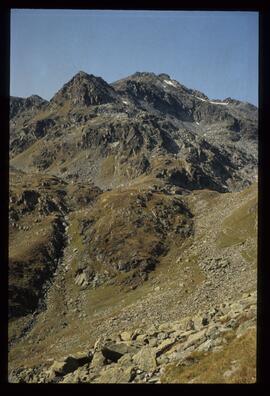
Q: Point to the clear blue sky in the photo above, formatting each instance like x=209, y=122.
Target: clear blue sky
x=214, y=52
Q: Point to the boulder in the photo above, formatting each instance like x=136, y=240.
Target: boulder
x=195, y=339
x=205, y=346
x=163, y=359
x=163, y=336
x=125, y=360
x=126, y=335
x=68, y=365
x=115, y=374
x=136, y=333
x=145, y=359
x=98, y=360
x=213, y=332
x=180, y=355
x=78, y=376
x=164, y=346
x=114, y=351
x=141, y=338
x=153, y=342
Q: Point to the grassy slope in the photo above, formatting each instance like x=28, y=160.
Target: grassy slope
x=50, y=338
x=235, y=363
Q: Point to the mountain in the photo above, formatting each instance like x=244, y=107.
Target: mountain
x=132, y=204
x=85, y=90
x=24, y=106
x=142, y=124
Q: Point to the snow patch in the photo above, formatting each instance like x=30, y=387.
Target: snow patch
x=210, y=101
x=203, y=100
x=219, y=103
x=170, y=83
x=125, y=102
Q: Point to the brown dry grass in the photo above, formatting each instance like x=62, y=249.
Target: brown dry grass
x=235, y=363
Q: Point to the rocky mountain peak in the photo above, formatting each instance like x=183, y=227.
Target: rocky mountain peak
x=82, y=73
x=149, y=78
x=35, y=98
x=143, y=74
x=164, y=75
x=85, y=90
x=32, y=103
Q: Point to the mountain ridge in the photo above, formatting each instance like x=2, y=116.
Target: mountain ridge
x=142, y=98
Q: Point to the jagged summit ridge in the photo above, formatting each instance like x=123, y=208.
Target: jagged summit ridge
x=142, y=124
